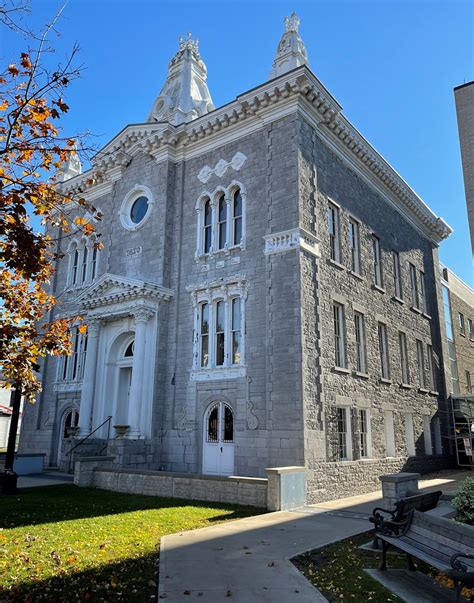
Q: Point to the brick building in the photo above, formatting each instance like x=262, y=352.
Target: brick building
x=267, y=294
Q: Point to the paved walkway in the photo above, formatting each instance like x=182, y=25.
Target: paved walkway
x=248, y=559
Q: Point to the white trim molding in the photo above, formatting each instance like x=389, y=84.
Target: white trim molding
x=221, y=167
x=139, y=190
x=286, y=240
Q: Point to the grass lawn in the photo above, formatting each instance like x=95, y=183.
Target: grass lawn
x=338, y=570
x=63, y=543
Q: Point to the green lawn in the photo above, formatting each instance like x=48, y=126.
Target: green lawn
x=63, y=543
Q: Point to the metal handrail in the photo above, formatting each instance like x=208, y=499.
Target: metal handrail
x=107, y=420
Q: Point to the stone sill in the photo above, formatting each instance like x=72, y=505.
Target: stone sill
x=356, y=275
x=398, y=299
x=282, y=470
x=204, y=257
x=462, y=334
x=386, y=381
x=361, y=375
x=336, y=264
x=415, y=309
x=434, y=393
x=378, y=288
x=426, y=315
x=423, y=390
x=406, y=386
x=340, y=369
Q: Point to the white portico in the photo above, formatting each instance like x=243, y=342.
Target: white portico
x=122, y=316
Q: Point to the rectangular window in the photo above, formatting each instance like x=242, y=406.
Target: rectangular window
x=389, y=429
x=83, y=353
x=462, y=325
x=414, y=287
x=361, y=351
x=402, y=339
x=410, y=435
x=354, y=245
x=220, y=333
x=75, y=354
x=343, y=434
x=237, y=217
x=378, y=276
x=447, y=313
x=85, y=252
x=364, y=431
x=427, y=435
x=339, y=336
x=397, y=275
x=468, y=382
x=423, y=300
x=431, y=367
x=334, y=228
x=65, y=366
x=470, y=325
x=420, y=356
x=207, y=226
x=437, y=435
x=383, y=350
x=236, y=331
x=204, y=326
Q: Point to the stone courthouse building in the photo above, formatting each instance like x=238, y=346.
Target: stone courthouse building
x=266, y=296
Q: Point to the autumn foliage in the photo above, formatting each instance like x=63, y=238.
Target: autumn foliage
x=32, y=153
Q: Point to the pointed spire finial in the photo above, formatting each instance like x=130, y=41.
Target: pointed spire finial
x=71, y=167
x=188, y=43
x=291, y=51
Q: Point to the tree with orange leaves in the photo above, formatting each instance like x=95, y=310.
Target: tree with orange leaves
x=32, y=153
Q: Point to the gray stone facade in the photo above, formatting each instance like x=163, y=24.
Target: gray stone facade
x=284, y=397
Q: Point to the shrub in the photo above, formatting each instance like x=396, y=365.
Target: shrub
x=463, y=502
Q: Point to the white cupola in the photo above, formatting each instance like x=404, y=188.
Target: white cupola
x=291, y=52
x=70, y=168
x=185, y=95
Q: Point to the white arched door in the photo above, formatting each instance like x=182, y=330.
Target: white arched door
x=218, y=444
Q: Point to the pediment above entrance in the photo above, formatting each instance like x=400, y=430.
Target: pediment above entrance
x=111, y=289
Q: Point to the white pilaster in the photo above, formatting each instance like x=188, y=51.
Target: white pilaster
x=88, y=385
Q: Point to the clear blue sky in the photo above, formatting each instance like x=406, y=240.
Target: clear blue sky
x=392, y=64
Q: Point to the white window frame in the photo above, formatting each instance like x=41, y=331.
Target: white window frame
x=139, y=190
x=410, y=434
x=404, y=363
x=415, y=296
x=229, y=195
x=339, y=333
x=82, y=275
x=368, y=432
x=377, y=258
x=384, y=353
x=389, y=430
x=354, y=244
x=334, y=230
x=211, y=295
x=66, y=372
x=361, y=342
x=397, y=275
x=420, y=358
x=346, y=414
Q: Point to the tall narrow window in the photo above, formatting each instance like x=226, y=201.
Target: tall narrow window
x=237, y=218
x=236, y=331
x=361, y=351
x=410, y=434
x=430, y=367
x=343, y=434
x=75, y=353
x=65, y=366
x=75, y=266
x=82, y=361
x=222, y=223
x=354, y=245
x=207, y=228
x=397, y=276
x=402, y=338
x=383, y=350
x=204, y=325
x=85, y=253
x=468, y=382
x=95, y=251
x=339, y=336
x=462, y=325
x=334, y=239
x=423, y=300
x=415, y=300
x=427, y=435
x=421, y=363
x=389, y=429
x=470, y=325
x=364, y=433
x=220, y=333
x=378, y=276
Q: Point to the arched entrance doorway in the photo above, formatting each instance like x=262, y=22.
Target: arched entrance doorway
x=69, y=426
x=125, y=368
x=218, y=440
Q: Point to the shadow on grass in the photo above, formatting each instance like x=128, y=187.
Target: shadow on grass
x=49, y=504
x=131, y=580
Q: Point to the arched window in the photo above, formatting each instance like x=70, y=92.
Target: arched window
x=220, y=333
x=95, y=251
x=71, y=422
x=130, y=350
x=85, y=253
x=221, y=222
x=204, y=333
x=236, y=217
x=75, y=265
x=207, y=226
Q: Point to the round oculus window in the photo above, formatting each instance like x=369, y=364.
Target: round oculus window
x=138, y=210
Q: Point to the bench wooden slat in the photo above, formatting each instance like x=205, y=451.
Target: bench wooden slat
x=415, y=551
x=442, y=555
x=442, y=541
x=448, y=528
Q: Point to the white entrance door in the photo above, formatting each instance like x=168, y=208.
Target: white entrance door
x=218, y=447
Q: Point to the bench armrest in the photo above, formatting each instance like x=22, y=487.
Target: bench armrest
x=459, y=565
x=378, y=510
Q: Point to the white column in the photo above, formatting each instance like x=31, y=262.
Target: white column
x=88, y=384
x=135, y=400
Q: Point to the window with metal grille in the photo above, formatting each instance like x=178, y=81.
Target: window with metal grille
x=343, y=434
x=364, y=433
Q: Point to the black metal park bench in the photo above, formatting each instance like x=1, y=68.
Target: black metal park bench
x=388, y=522
x=442, y=543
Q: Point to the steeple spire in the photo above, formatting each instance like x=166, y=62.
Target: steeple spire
x=71, y=167
x=185, y=94
x=291, y=51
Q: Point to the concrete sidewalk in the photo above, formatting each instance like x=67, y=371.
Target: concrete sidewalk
x=44, y=479
x=248, y=560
